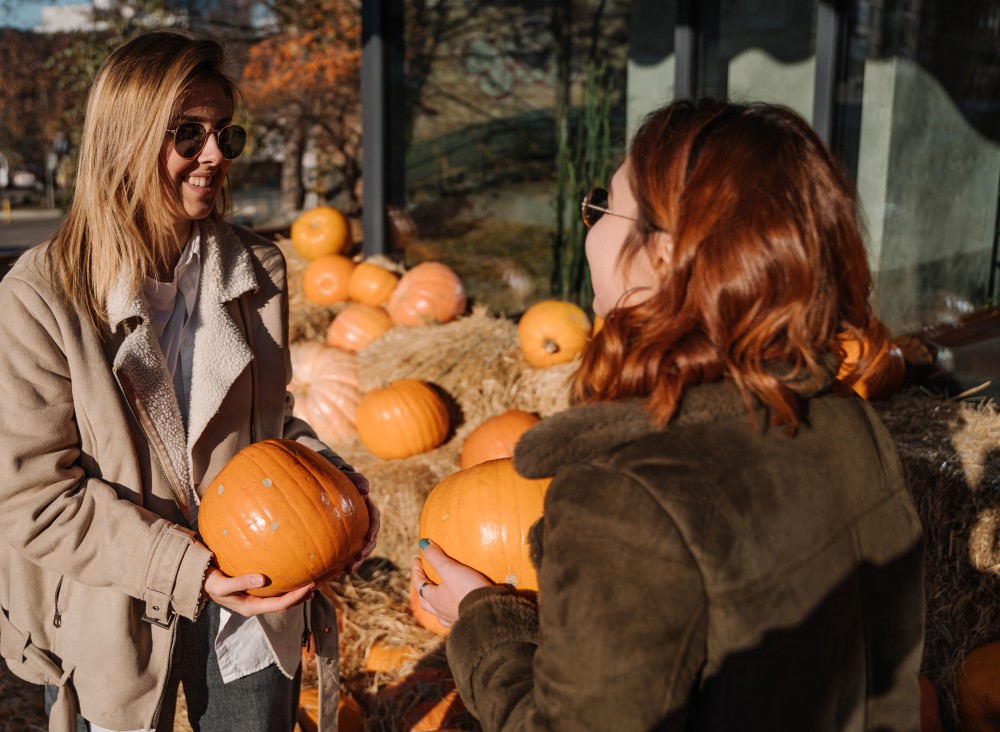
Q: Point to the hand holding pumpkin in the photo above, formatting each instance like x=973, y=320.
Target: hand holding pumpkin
x=457, y=581
x=374, y=520
x=230, y=592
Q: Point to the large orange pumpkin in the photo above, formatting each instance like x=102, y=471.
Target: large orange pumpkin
x=350, y=716
x=977, y=689
x=325, y=279
x=321, y=231
x=429, y=293
x=371, y=284
x=280, y=509
x=326, y=390
x=496, y=437
x=405, y=418
x=481, y=516
x=884, y=376
x=552, y=332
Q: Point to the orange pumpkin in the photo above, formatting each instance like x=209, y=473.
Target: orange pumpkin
x=930, y=707
x=496, y=437
x=385, y=658
x=325, y=279
x=977, y=689
x=425, y=701
x=481, y=516
x=326, y=390
x=426, y=620
x=280, y=509
x=405, y=418
x=356, y=326
x=321, y=231
x=350, y=716
x=371, y=284
x=552, y=332
x=429, y=293
x=883, y=377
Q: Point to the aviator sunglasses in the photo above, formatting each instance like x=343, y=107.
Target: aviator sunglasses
x=595, y=205
x=190, y=139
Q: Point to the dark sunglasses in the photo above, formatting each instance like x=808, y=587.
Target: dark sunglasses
x=595, y=205
x=190, y=139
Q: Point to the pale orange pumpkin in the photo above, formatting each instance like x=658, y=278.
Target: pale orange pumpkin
x=279, y=509
x=326, y=389
x=426, y=620
x=496, y=437
x=321, y=231
x=428, y=294
x=371, y=284
x=405, y=418
x=481, y=516
x=883, y=377
x=325, y=279
x=350, y=716
x=977, y=689
x=552, y=332
x=356, y=326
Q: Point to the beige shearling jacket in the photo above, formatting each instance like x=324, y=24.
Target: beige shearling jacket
x=95, y=559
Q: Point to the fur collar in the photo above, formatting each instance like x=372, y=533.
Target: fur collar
x=581, y=431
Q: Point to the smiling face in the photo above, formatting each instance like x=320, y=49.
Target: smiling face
x=195, y=183
x=604, y=245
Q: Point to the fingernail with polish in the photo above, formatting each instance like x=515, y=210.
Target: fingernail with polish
x=423, y=543
x=257, y=581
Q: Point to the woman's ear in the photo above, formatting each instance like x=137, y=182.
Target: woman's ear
x=661, y=251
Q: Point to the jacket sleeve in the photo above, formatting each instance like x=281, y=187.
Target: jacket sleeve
x=51, y=511
x=618, y=636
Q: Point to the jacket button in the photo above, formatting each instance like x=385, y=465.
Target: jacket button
x=326, y=629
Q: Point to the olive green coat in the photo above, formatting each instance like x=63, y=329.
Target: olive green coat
x=706, y=576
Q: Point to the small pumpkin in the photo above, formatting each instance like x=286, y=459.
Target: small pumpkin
x=326, y=389
x=426, y=700
x=325, y=279
x=387, y=659
x=371, y=284
x=884, y=376
x=356, y=326
x=321, y=231
x=280, y=509
x=977, y=689
x=552, y=332
x=428, y=294
x=405, y=418
x=350, y=716
x=481, y=517
x=496, y=437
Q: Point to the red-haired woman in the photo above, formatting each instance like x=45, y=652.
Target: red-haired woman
x=728, y=542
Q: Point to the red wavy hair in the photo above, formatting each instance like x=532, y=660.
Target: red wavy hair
x=767, y=263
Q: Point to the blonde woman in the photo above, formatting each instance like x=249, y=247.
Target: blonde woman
x=144, y=346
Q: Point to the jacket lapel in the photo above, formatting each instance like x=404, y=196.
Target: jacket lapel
x=141, y=372
x=221, y=352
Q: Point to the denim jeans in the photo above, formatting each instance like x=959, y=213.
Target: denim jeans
x=265, y=701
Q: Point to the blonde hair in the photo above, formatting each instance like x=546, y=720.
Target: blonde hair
x=119, y=223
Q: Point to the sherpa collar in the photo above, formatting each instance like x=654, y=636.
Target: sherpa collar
x=220, y=352
x=581, y=431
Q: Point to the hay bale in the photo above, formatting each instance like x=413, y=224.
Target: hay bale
x=950, y=452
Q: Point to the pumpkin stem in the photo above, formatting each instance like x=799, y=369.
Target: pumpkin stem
x=551, y=346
